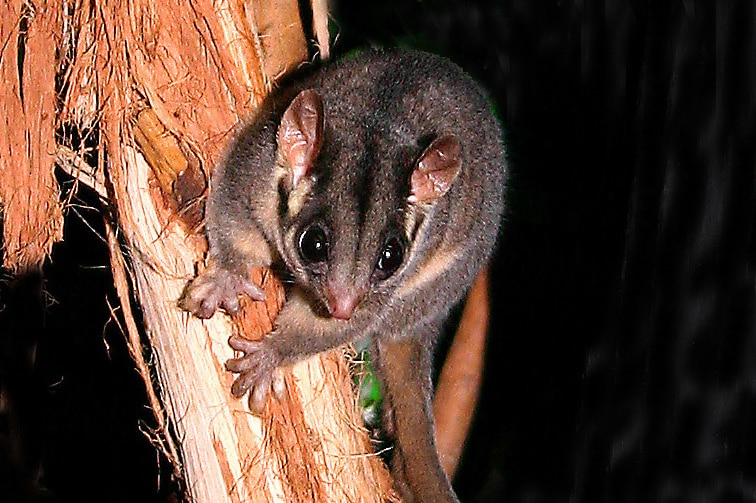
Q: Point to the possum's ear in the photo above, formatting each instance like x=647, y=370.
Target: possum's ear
x=435, y=170
x=300, y=134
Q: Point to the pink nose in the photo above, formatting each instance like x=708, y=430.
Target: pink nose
x=342, y=307
x=341, y=304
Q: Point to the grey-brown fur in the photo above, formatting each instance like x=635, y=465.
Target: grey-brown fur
x=380, y=112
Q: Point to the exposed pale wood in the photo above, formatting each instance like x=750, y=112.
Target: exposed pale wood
x=76, y=167
x=320, y=27
x=133, y=336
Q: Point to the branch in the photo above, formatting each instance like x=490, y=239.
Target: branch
x=460, y=379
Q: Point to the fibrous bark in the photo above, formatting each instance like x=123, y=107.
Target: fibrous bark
x=32, y=215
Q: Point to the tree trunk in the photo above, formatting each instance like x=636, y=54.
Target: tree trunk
x=156, y=90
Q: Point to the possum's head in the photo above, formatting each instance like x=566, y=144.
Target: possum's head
x=351, y=202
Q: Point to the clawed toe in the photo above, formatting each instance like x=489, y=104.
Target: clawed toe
x=258, y=370
x=258, y=396
x=259, y=388
x=217, y=288
x=239, y=343
x=242, y=384
x=254, y=291
x=279, y=384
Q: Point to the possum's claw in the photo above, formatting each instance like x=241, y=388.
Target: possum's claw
x=258, y=370
x=217, y=288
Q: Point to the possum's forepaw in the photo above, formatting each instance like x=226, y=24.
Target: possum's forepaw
x=217, y=288
x=258, y=370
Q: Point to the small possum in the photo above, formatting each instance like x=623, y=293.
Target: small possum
x=377, y=183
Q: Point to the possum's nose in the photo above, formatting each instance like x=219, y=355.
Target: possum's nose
x=342, y=302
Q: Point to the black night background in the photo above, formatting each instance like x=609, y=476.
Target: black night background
x=621, y=361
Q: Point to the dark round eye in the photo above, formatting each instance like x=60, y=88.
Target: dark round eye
x=390, y=259
x=313, y=244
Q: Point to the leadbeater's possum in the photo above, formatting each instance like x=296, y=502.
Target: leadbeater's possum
x=377, y=183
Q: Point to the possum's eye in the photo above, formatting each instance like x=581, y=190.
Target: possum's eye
x=313, y=244
x=390, y=259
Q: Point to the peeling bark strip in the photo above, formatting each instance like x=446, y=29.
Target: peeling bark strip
x=31, y=212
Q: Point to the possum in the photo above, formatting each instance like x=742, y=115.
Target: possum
x=377, y=183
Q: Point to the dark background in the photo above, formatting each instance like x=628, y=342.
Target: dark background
x=621, y=363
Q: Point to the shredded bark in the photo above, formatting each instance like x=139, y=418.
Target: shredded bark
x=29, y=198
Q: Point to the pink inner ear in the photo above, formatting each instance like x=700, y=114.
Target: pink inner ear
x=436, y=170
x=300, y=134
